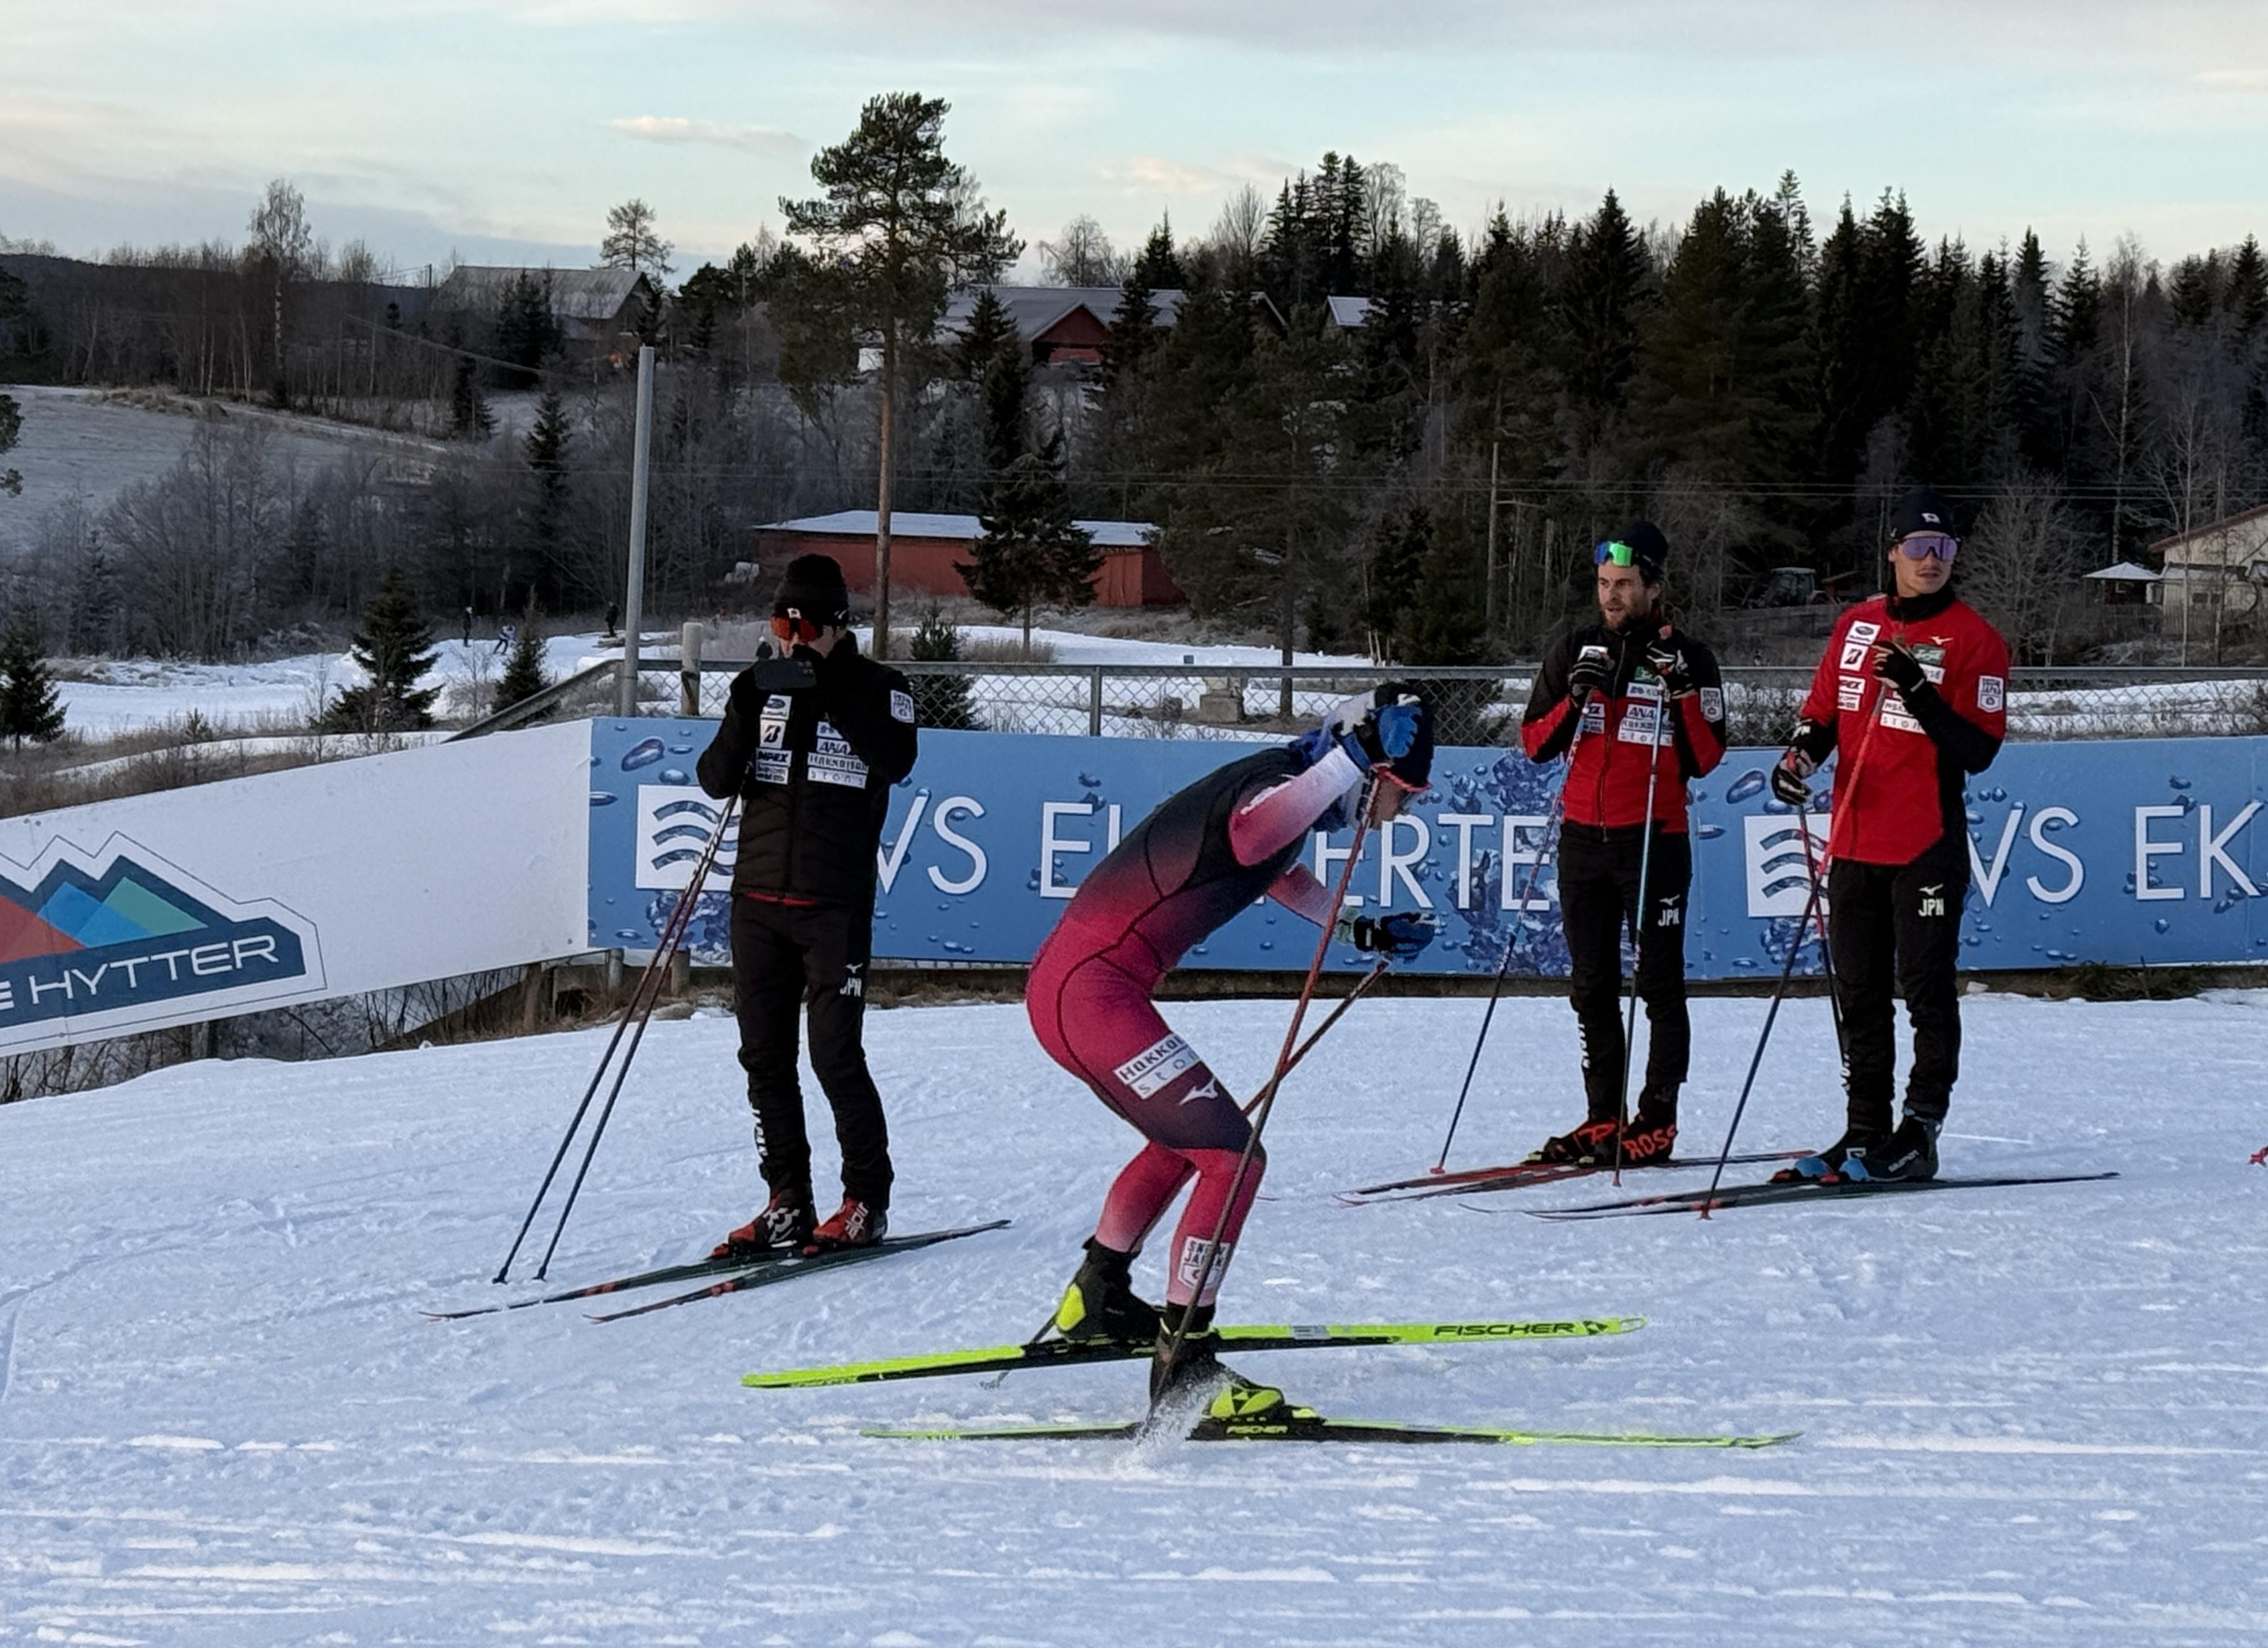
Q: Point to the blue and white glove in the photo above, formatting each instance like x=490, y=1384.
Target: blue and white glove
x=1399, y=937
x=1381, y=735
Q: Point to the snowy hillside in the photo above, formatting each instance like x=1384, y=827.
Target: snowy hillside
x=2036, y=1415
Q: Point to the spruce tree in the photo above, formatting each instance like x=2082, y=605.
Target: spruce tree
x=545, y=447
x=94, y=601
x=1397, y=565
x=1601, y=302
x=29, y=708
x=941, y=700
x=1032, y=550
x=523, y=668
x=12, y=428
x=469, y=418
x=394, y=648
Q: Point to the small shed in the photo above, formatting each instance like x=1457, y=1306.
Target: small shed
x=2124, y=584
x=927, y=550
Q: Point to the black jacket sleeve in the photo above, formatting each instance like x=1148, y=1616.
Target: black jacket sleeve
x=725, y=761
x=1697, y=756
x=1547, y=725
x=1970, y=746
x=871, y=706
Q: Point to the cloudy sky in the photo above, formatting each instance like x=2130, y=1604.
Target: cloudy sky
x=504, y=128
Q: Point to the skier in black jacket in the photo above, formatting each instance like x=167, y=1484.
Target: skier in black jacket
x=813, y=769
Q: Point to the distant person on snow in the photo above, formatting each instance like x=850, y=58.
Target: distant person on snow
x=507, y=637
x=1202, y=857
x=1913, y=690
x=813, y=769
x=1643, y=704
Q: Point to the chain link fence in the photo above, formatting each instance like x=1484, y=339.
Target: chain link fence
x=1472, y=706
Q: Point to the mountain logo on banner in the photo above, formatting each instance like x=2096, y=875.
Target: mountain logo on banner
x=124, y=937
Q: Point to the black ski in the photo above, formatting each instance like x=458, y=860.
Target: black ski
x=686, y=1272
x=1796, y=1191
x=800, y=1264
x=1306, y=1426
x=1519, y=1175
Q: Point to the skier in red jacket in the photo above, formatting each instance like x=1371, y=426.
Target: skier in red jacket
x=1611, y=690
x=1913, y=690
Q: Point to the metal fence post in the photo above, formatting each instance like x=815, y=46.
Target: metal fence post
x=634, y=595
x=1094, y=702
x=689, y=640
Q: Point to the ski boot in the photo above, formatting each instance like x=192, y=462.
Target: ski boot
x=1651, y=1134
x=1909, y=1152
x=1589, y=1145
x=1196, y=1367
x=1858, y=1146
x=854, y=1223
x=1100, y=1302
x=782, y=1228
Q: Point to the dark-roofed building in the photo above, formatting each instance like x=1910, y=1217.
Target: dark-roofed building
x=1070, y=325
x=927, y=551
x=595, y=307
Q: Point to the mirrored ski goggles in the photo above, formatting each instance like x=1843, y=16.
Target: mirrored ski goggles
x=1921, y=545
x=1620, y=554
x=793, y=626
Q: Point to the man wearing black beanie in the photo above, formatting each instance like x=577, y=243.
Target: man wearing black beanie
x=1642, y=705
x=813, y=768
x=1913, y=691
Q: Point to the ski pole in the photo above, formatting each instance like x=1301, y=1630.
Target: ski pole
x=1637, y=958
x=1551, y=827
x=639, y=1006
x=1266, y=1104
x=1816, y=868
x=1780, y=991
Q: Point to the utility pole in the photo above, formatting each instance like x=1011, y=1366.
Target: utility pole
x=1488, y=600
x=634, y=596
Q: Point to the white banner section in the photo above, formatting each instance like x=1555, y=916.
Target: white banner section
x=251, y=893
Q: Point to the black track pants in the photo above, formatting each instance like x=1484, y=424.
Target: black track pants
x=1598, y=903
x=1898, y=924
x=810, y=956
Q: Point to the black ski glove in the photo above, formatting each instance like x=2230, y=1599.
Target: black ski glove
x=1666, y=658
x=1595, y=667
x=1788, y=778
x=1895, y=663
x=1400, y=936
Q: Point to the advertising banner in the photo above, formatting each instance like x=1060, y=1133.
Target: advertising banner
x=250, y=893
x=2145, y=851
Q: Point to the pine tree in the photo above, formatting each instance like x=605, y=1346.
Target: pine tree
x=394, y=648
x=1002, y=392
x=1601, y=301
x=1159, y=266
x=545, y=446
x=1032, y=550
x=942, y=700
x=469, y=418
x=12, y=428
x=1397, y=565
x=523, y=674
x=1134, y=328
x=29, y=708
x=94, y=601
x=527, y=332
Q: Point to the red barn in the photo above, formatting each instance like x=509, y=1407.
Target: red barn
x=927, y=551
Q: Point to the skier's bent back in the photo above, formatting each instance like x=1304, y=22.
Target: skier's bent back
x=1227, y=841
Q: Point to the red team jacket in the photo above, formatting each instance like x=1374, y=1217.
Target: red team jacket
x=1606, y=784
x=1898, y=793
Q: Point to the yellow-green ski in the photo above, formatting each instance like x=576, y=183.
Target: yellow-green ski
x=1076, y=1352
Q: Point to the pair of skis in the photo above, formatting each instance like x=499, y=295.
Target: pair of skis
x=1797, y=1190
x=1285, y=1424
x=737, y=1275
x=1520, y=1175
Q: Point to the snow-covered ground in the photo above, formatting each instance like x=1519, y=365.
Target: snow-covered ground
x=134, y=694
x=2034, y=1416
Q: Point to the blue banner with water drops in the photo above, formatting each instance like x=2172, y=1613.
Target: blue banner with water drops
x=2140, y=851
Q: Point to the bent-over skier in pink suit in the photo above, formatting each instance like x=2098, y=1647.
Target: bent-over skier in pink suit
x=1231, y=838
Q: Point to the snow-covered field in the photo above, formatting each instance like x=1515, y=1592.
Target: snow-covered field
x=2034, y=1416
x=134, y=694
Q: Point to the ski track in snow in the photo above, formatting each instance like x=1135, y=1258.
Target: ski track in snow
x=2029, y=1416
